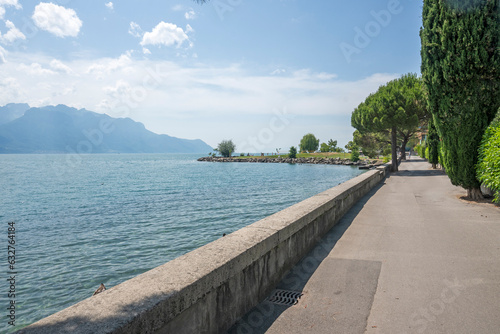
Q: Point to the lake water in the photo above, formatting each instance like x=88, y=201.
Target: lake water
x=82, y=220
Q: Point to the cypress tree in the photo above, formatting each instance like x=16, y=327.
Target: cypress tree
x=433, y=144
x=460, y=68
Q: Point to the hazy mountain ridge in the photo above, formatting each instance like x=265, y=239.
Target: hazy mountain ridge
x=12, y=111
x=61, y=129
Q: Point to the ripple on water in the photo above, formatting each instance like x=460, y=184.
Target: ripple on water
x=115, y=216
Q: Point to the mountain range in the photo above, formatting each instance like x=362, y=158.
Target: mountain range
x=62, y=129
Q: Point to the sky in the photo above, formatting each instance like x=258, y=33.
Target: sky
x=262, y=73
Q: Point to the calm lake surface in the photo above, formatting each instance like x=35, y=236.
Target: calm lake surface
x=82, y=220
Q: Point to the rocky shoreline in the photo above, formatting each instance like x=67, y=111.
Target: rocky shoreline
x=365, y=164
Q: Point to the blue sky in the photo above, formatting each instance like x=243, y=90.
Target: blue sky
x=261, y=72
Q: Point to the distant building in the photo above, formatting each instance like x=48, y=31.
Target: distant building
x=422, y=134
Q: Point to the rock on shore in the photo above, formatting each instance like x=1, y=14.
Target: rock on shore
x=317, y=161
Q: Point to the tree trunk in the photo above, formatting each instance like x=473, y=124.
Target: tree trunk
x=434, y=166
x=394, y=145
x=403, y=148
x=474, y=194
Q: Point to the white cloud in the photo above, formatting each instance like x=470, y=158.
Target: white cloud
x=190, y=14
x=140, y=88
x=58, y=66
x=326, y=76
x=3, y=54
x=10, y=90
x=13, y=3
x=146, y=51
x=109, y=5
x=135, y=30
x=109, y=65
x=57, y=20
x=164, y=33
x=35, y=69
x=5, y=3
x=278, y=71
x=189, y=29
x=177, y=8
x=11, y=35
x=121, y=90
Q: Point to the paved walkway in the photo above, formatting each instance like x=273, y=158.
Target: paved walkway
x=410, y=257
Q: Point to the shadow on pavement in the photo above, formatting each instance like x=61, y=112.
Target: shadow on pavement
x=430, y=172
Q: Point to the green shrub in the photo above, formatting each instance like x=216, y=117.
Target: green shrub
x=387, y=159
x=427, y=153
x=488, y=167
x=292, y=154
x=441, y=155
x=355, y=154
x=421, y=150
x=324, y=147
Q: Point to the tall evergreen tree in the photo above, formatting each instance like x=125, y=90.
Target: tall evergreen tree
x=433, y=144
x=461, y=68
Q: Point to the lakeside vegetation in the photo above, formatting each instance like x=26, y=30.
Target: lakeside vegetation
x=315, y=155
x=451, y=107
x=461, y=73
x=318, y=155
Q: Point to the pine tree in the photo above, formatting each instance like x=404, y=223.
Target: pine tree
x=461, y=68
x=396, y=108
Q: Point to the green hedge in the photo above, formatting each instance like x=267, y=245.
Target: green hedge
x=421, y=148
x=488, y=167
x=441, y=155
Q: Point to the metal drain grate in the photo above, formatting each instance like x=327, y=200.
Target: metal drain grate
x=284, y=297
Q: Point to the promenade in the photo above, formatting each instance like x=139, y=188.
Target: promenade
x=410, y=257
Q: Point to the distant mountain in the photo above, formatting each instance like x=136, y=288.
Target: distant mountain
x=12, y=111
x=62, y=129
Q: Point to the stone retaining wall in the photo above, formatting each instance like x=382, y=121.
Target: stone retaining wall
x=210, y=288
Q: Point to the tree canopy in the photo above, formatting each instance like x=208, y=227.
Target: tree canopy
x=373, y=144
x=397, y=108
x=226, y=148
x=331, y=146
x=324, y=147
x=461, y=71
x=309, y=143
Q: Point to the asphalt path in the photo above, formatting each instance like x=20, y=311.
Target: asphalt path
x=410, y=257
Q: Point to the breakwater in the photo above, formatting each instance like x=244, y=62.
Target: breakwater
x=208, y=289
x=313, y=160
